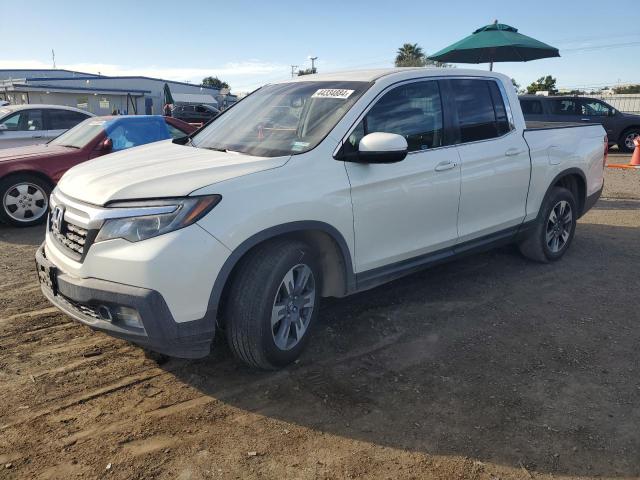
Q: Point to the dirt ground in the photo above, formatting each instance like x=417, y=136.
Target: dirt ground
x=489, y=367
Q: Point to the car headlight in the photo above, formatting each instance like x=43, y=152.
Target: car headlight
x=140, y=226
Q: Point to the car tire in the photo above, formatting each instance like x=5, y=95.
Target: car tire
x=553, y=231
x=267, y=319
x=24, y=200
x=625, y=144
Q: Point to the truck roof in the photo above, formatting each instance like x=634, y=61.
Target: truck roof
x=373, y=75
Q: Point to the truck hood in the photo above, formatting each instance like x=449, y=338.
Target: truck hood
x=157, y=170
x=33, y=152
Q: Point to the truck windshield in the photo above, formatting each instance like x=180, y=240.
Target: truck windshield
x=281, y=119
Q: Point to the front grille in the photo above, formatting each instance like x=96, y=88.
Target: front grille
x=73, y=238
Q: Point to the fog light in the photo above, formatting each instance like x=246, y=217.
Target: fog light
x=128, y=316
x=104, y=313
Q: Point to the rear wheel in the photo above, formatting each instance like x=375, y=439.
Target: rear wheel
x=555, y=227
x=25, y=200
x=625, y=143
x=272, y=304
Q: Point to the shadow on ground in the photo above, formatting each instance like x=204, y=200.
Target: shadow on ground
x=22, y=236
x=492, y=357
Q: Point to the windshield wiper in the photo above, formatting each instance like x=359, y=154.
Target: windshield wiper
x=225, y=150
x=72, y=146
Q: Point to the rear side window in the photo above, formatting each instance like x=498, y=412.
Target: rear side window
x=64, y=119
x=531, y=107
x=481, y=110
x=564, y=106
x=413, y=110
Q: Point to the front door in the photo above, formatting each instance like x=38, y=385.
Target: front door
x=410, y=208
x=25, y=127
x=595, y=111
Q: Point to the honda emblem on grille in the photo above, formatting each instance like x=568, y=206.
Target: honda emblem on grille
x=56, y=219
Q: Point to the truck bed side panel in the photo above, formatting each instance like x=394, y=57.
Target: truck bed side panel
x=554, y=150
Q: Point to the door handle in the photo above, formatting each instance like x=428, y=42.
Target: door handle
x=442, y=166
x=37, y=136
x=585, y=119
x=512, y=152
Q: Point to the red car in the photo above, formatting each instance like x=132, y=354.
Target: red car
x=28, y=174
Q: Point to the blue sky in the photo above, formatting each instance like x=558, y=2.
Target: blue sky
x=249, y=43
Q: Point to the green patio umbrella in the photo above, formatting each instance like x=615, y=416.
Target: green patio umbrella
x=168, y=98
x=496, y=42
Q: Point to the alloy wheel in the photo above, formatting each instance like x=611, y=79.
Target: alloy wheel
x=628, y=140
x=559, y=226
x=293, y=307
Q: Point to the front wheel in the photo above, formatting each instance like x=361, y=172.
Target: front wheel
x=25, y=200
x=272, y=304
x=554, y=229
x=625, y=144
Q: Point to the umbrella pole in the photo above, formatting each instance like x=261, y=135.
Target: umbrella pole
x=491, y=67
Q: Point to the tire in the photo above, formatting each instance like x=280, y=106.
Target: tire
x=256, y=291
x=549, y=241
x=24, y=200
x=625, y=143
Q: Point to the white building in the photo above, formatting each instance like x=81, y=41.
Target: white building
x=101, y=94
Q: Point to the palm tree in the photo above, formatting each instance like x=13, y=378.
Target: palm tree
x=410, y=55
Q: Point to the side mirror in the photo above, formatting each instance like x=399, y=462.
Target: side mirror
x=380, y=147
x=3, y=127
x=612, y=112
x=106, y=145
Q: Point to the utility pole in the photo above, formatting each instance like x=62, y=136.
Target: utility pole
x=313, y=65
x=293, y=70
x=53, y=58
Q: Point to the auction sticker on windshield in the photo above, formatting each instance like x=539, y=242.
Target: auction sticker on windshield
x=332, y=93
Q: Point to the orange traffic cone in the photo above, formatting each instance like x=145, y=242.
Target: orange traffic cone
x=635, y=158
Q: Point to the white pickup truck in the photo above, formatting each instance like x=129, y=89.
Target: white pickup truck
x=320, y=186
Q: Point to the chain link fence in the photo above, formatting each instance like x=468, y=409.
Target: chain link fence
x=629, y=103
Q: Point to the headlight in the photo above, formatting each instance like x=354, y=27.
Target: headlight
x=141, y=226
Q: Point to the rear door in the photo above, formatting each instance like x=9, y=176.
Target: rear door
x=564, y=109
x=59, y=121
x=406, y=209
x=24, y=127
x=495, y=164
x=532, y=109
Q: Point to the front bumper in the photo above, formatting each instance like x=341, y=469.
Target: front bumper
x=81, y=299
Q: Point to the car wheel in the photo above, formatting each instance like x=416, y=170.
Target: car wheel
x=625, y=144
x=272, y=304
x=25, y=200
x=555, y=226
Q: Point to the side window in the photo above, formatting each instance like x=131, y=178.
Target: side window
x=478, y=118
x=531, y=107
x=502, y=121
x=594, y=108
x=413, y=110
x=564, y=106
x=64, y=119
x=12, y=122
x=25, y=121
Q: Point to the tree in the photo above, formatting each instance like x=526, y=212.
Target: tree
x=307, y=71
x=627, y=89
x=214, y=82
x=543, y=84
x=411, y=55
x=515, y=84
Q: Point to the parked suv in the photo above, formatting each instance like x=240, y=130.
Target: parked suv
x=320, y=186
x=622, y=128
x=194, y=113
x=22, y=125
